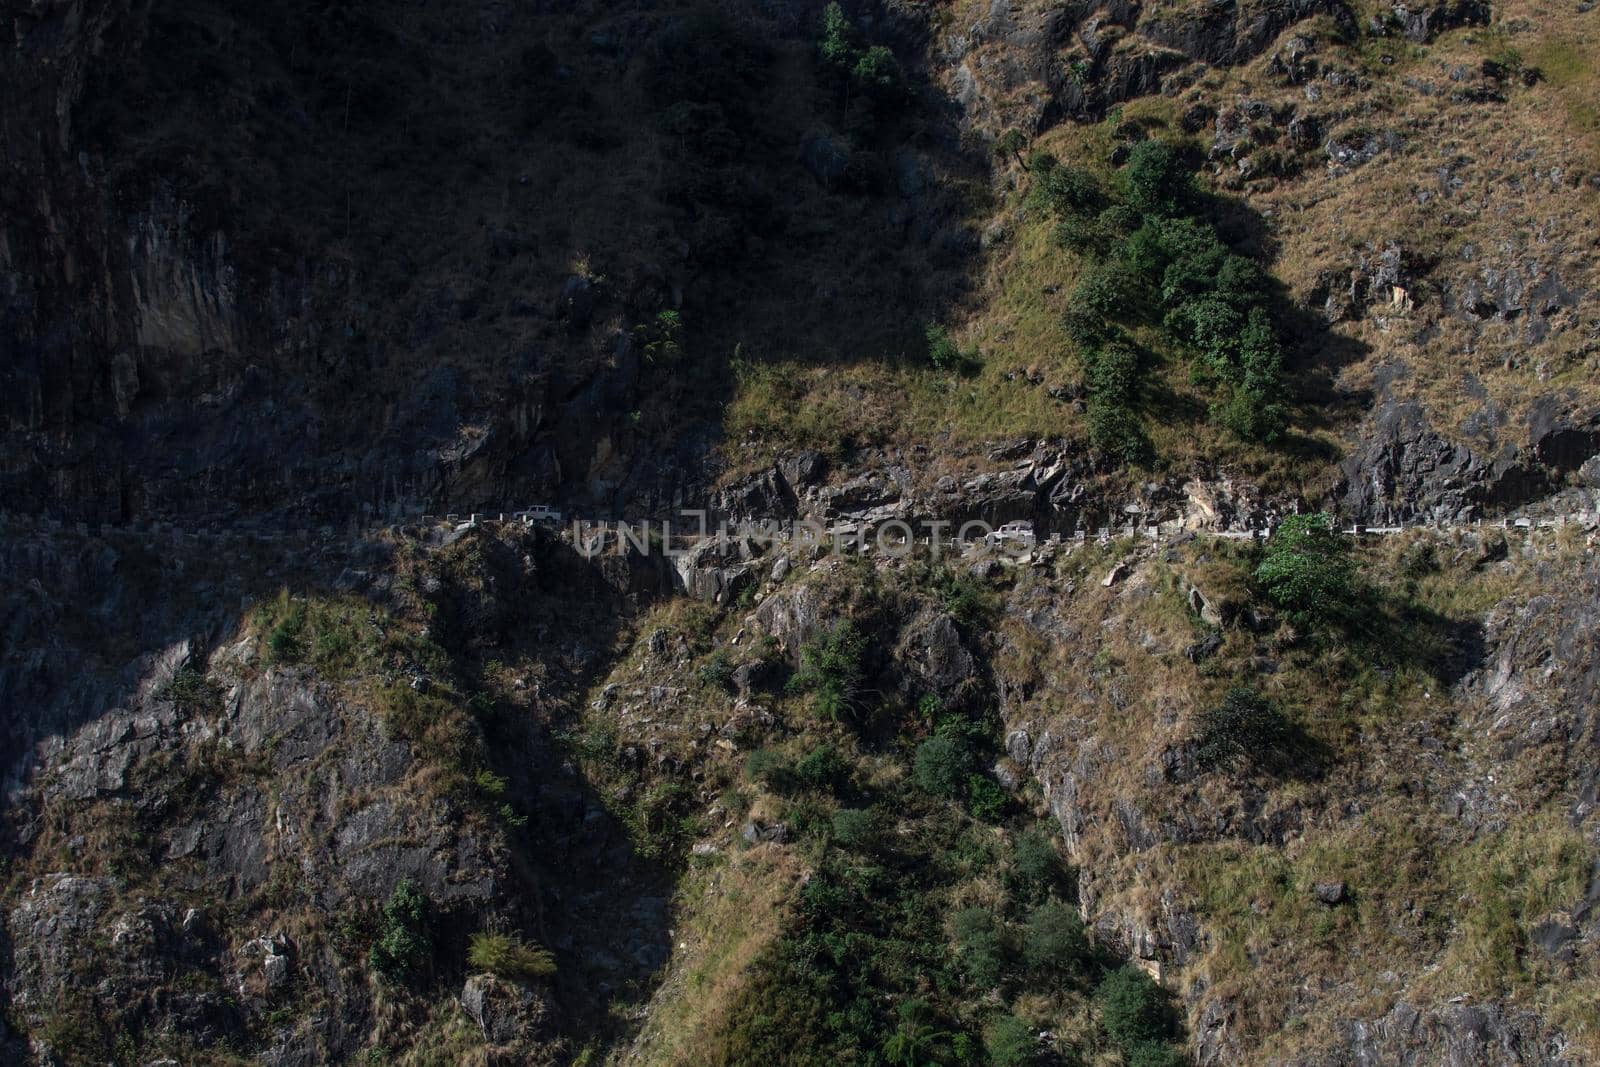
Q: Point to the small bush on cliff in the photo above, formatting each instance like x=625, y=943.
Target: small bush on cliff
x=1036, y=868
x=831, y=667
x=405, y=940
x=855, y=828
x=717, y=670
x=980, y=947
x=945, y=354
x=821, y=768
x=1156, y=180
x=192, y=692
x=1245, y=730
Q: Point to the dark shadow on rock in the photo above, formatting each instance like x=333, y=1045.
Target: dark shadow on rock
x=98, y=747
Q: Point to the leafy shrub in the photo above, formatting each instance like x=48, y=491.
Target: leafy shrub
x=1067, y=190
x=941, y=766
x=878, y=73
x=1155, y=180
x=1244, y=730
x=405, y=940
x=963, y=596
x=508, y=957
x=192, y=692
x=1306, y=569
x=837, y=46
x=1114, y=424
x=831, y=667
x=1010, y=144
x=1109, y=288
x=855, y=828
x=821, y=768
x=717, y=670
x=490, y=784
x=1035, y=864
x=985, y=799
x=1010, y=1043
x=770, y=768
x=1053, y=941
x=980, y=948
x=659, y=339
x=916, y=1040
x=1116, y=430
x=1084, y=326
x=945, y=354
x=283, y=642
x=1133, y=1009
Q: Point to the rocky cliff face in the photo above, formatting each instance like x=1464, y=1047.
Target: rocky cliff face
x=271, y=279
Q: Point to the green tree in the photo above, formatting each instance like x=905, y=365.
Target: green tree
x=1307, y=570
x=878, y=74
x=838, y=43
x=941, y=765
x=855, y=828
x=821, y=768
x=1133, y=1009
x=1066, y=190
x=1010, y=144
x=1053, y=941
x=980, y=946
x=1010, y=1043
x=1035, y=865
x=1155, y=181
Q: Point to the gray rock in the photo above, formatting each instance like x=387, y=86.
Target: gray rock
x=505, y=1012
x=756, y=833
x=1330, y=893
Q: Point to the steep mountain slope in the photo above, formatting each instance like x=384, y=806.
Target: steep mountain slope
x=294, y=776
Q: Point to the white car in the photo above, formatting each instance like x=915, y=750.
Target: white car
x=1020, y=532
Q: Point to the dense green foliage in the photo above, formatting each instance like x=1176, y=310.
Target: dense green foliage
x=717, y=670
x=871, y=71
x=1036, y=867
x=405, y=939
x=831, y=667
x=1307, y=570
x=945, y=354
x=1053, y=941
x=941, y=766
x=979, y=947
x=1154, y=259
x=1133, y=1010
x=1010, y=1043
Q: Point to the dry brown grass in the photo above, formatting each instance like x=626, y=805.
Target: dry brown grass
x=730, y=914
